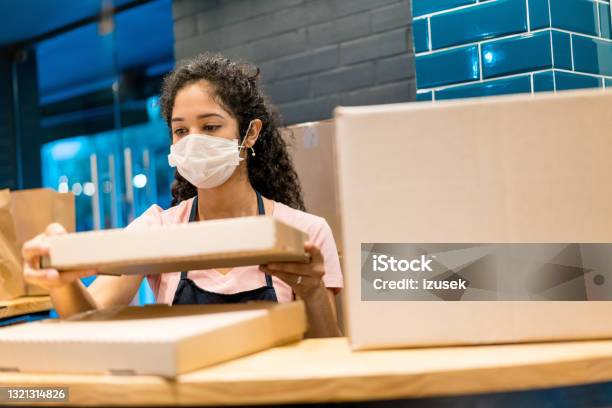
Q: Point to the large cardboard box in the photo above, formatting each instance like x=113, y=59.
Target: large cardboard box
x=196, y=245
x=515, y=169
x=150, y=340
x=312, y=148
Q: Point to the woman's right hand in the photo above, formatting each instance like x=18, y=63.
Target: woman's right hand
x=34, y=249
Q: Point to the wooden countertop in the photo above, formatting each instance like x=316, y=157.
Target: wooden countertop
x=326, y=370
x=24, y=305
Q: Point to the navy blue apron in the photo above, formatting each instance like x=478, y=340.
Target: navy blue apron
x=188, y=293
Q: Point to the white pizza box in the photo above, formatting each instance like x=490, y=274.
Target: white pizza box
x=190, y=246
x=149, y=340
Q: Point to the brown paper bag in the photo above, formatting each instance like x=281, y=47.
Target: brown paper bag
x=11, y=278
x=33, y=210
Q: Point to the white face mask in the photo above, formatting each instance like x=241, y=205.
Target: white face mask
x=206, y=161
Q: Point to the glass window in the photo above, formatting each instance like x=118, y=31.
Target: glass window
x=98, y=96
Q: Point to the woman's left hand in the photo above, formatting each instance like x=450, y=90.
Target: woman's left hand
x=304, y=278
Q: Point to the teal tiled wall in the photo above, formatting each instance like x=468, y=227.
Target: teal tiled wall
x=469, y=48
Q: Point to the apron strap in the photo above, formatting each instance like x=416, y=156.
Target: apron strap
x=193, y=215
x=261, y=210
x=269, y=281
x=194, y=210
x=260, y=205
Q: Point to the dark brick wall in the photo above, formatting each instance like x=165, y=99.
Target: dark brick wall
x=314, y=54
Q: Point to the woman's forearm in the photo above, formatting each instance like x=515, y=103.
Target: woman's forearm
x=322, y=321
x=71, y=299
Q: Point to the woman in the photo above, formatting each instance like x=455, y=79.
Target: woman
x=230, y=162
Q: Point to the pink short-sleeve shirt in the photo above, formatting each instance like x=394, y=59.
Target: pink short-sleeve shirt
x=242, y=278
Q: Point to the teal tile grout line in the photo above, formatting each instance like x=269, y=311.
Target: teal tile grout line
x=528, y=16
x=597, y=18
x=594, y=37
x=572, y=50
x=480, y=60
x=440, y=88
x=552, y=50
x=429, y=33
x=552, y=59
x=481, y=42
x=450, y=10
x=504, y=37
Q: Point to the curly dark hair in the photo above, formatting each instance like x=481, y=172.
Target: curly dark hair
x=235, y=83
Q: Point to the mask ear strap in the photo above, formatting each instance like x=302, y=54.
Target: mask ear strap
x=245, y=136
